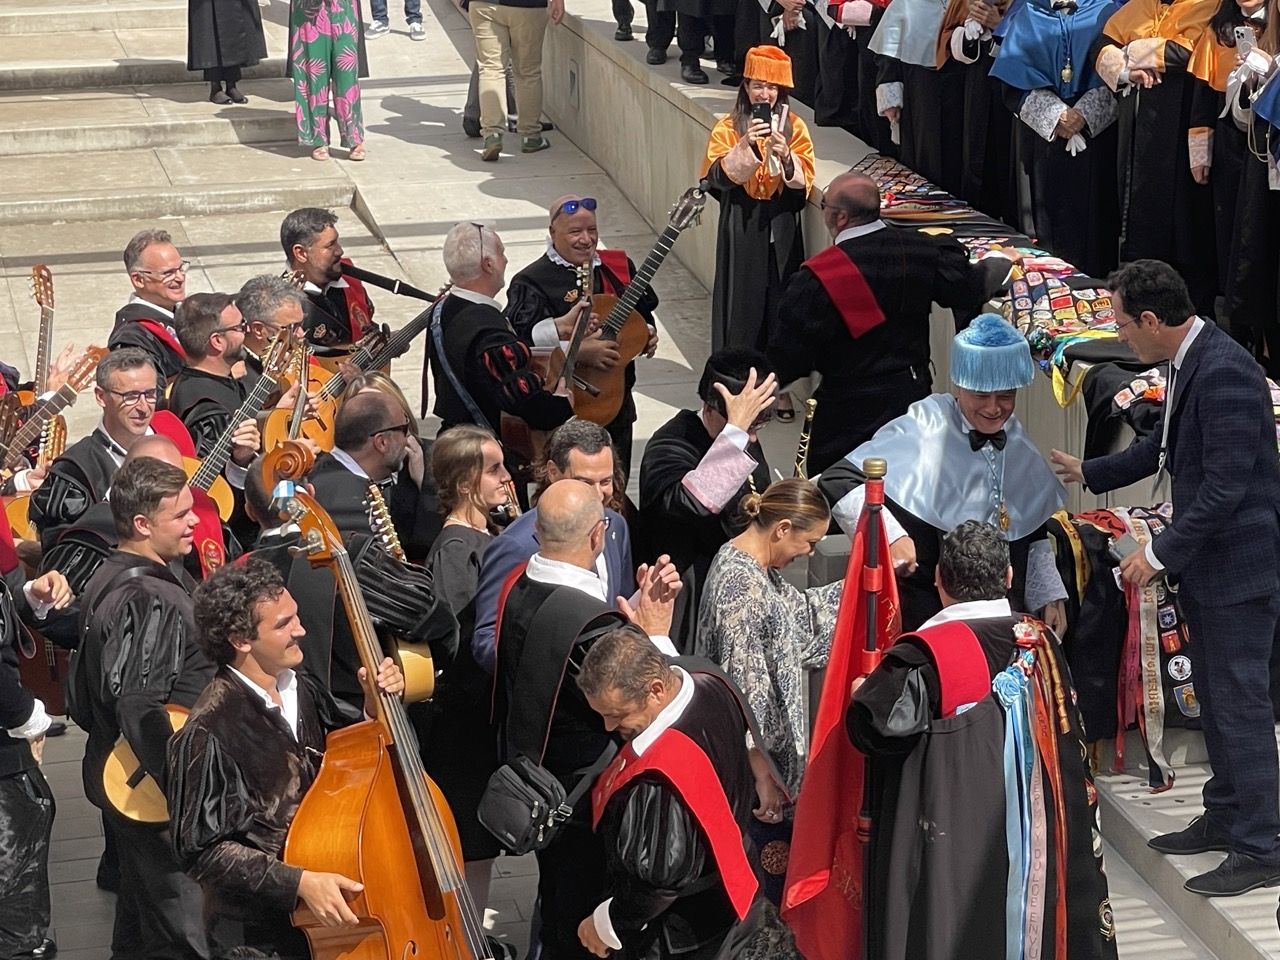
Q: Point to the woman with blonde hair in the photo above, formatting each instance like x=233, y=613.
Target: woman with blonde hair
x=460, y=746
x=765, y=632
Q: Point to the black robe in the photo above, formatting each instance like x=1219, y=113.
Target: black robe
x=939, y=894
x=224, y=33
x=76, y=481
x=674, y=522
x=413, y=510
x=932, y=125
x=1164, y=214
x=987, y=179
x=399, y=596
x=760, y=246
x=230, y=808
x=129, y=333
x=205, y=402
x=845, y=90
x=869, y=380
x=542, y=290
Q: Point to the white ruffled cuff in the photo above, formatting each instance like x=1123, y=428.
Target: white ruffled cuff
x=888, y=95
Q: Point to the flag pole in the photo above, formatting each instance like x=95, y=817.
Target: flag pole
x=872, y=582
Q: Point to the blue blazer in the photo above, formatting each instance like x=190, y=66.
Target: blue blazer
x=514, y=546
x=1222, y=458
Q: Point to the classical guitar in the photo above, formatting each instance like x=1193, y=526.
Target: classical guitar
x=130, y=790
x=13, y=451
x=416, y=662
x=52, y=444
x=624, y=325
x=207, y=473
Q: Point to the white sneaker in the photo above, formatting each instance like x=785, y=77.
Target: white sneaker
x=377, y=29
x=417, y=31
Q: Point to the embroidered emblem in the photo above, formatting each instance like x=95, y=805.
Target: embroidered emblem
x=1106, y=920
x=571, y=296
x=319, y=332
x=1170, y=642
x=1168, y=618
x=1185, y=697
x=211, y=555
x=1180, y=668
x=774, y=857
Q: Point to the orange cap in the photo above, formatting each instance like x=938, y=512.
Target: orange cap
x=769, y=64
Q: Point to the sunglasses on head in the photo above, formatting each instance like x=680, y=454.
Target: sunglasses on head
x=570, y=207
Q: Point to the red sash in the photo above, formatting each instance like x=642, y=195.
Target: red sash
x=689, y=771
x=963, y=675
x=847, y=289
x=359, y=307
x=8, y=552
x=615, y=261
x=164, y=333
x=210, y=547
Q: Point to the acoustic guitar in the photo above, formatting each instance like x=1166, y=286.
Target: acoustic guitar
x=13, y=450
x=129, y=789
x=416, y=662
x=623, y=324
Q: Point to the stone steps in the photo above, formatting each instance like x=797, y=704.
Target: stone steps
x=141, y=15
x=1232, y=928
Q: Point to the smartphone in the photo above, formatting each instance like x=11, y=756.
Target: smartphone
x=1122, y=547
x=1244, y=41
x=762, y=112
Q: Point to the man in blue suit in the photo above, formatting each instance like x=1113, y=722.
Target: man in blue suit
x=579, y=450
x=1216, y=442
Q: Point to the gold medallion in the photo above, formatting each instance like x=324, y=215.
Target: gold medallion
x=1004, y=517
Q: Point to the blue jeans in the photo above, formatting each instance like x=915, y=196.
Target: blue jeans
x=412, y=11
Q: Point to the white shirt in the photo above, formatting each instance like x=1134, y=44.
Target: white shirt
x=287, y=687
x=669, y=714
x=134, y=298
x=970, y=610
x=474, y=297
x=349, y=462
x=1197, y=325
x=340, y=283
x=861, y=230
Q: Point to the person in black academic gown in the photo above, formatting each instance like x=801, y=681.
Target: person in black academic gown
x=1143, y=52
x=222, y=37
x=338, y=311
x=540, y=299
x=845, y=87
x=138, y=654
x=936, y=734
x=159, y=277
x=1066, y=136
x=230, y=809
x=859, y=314
x=673, y=810
x=697, y=467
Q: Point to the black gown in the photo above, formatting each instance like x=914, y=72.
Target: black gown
x=76, y=481
x=674, y=522
x=166, y=353
x=224, y=35
x=845, y=89
x=539, y=291
x=944, y=899
x=459, y=740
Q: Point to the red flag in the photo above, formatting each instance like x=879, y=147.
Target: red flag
x=823, y=898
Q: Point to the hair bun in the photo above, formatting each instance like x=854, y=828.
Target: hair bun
x=750, y=505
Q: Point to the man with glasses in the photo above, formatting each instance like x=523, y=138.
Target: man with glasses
x=338, y=309
x=127, y=390
x=696, y=469
x=370, y=444
x=159, y=277
x=542, y=295
x=483, y=370
x=268, y=305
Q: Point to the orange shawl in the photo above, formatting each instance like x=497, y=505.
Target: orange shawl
x=761, y=185
x=1182, y=21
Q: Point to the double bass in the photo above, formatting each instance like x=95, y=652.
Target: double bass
x=372, y=813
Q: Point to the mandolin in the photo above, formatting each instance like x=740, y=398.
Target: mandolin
x=130, y=790
x=372, y=814
x=416, y=662
x=623, y=324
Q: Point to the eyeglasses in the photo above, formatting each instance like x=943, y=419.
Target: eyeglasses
x=606, y=519
x=1120, y=326
x=570, y=207
x=401, y=427
x=131, y=398
x=241, y=326
x=167, y=275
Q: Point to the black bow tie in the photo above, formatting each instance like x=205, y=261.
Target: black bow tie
x=978, y=439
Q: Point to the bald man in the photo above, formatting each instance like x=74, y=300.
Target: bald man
x=858, y=313
x=540, y=299
x=552, y=614
x=370, y=447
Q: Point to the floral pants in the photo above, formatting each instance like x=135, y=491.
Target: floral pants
x=323, y=61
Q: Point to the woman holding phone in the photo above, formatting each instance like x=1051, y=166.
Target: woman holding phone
x=759, y=165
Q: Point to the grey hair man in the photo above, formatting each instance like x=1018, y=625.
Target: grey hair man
x=158, y=275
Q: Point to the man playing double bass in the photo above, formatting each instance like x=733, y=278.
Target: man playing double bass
x=230, y=809
x=541, y=297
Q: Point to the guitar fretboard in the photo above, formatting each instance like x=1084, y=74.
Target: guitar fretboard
x=641, y=282
x=213, y=464
x=26, y=435
x=365, y=359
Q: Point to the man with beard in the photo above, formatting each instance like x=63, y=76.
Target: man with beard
x=338, y=310
x=139, y=654
x=159, y=277
x=370, y=443
x=268, y=305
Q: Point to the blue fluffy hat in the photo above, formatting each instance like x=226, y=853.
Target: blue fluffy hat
x=990, y=355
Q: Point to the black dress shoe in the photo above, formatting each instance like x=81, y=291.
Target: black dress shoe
x=623, y=32
x=236, y=96
x=220, y=98
x=726, y=66
x=655, y=57
x=45, y=951
x=56, y=729
x=1237, y=874
x=690, y=73
x=1195, y=838
x=732, y=80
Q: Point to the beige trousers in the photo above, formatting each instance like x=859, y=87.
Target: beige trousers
x=515, y=33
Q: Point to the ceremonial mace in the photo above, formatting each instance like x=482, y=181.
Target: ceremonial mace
x=874, y=469
x=802, y=448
